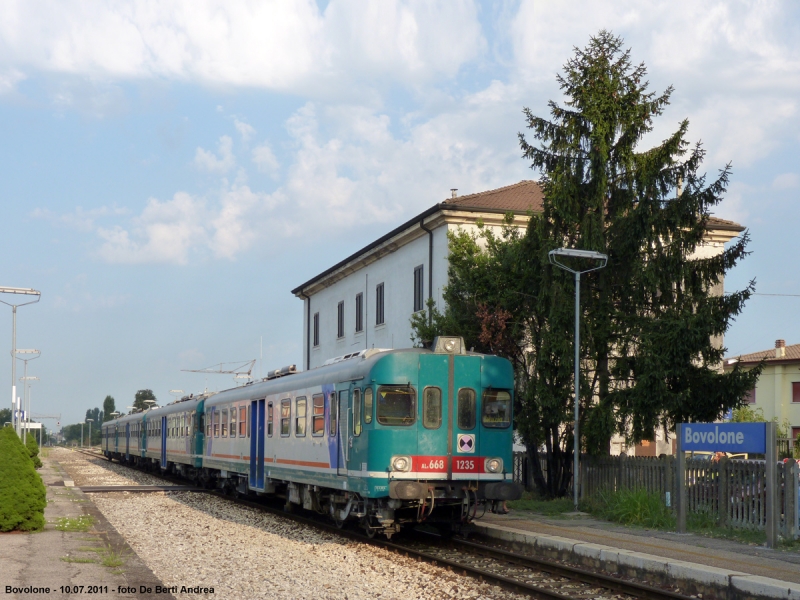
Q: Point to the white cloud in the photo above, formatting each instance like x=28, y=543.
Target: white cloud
x=286, y=45
x=265, y=160
x=786, y=181
x=80, y=219
x=165, y=232
x=208, y=161
x=245, y=129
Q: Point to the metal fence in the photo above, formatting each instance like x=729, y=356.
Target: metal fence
x=732, y=491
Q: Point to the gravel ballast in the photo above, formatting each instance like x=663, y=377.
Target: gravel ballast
x=196, y=540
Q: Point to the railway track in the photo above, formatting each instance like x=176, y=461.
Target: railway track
x=529, y=575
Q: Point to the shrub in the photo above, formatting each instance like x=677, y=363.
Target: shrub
x=33, y=450
x=22, y=493
x=635, y=507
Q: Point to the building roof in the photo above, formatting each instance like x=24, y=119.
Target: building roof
x=791, y=354
x=520, y=198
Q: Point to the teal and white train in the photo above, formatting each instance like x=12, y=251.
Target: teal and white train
x=386, y=437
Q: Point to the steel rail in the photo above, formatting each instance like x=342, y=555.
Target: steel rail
x=530, y=563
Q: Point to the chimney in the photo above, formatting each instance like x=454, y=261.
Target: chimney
x=454, y=192
x=780, y=348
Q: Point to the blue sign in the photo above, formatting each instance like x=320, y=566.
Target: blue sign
x=724, y=437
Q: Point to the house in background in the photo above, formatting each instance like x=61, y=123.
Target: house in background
x=777, y=391
x=366, y=300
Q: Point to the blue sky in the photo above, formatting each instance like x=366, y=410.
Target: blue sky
x=171, y=170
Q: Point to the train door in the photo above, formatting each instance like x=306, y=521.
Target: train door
x=257, y=416
x=127, y=441
x=343, y=439
x=435, y=430
x=164, y=442
x=466, y=401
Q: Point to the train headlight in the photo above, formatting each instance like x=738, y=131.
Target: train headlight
x=401, y=463
x=494, y=465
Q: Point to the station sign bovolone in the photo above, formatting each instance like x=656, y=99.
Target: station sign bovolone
x=724, y=437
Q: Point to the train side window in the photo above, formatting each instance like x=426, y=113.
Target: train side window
x=356, y=412
x=270, y=419
x=232, y=428
x=432, y=408
x=496, y=409
x=286, y=416
x=249, y=416
x=208, y=425
x=300, y=416
x=242, y=421
x=368, y=405
x=318, y=415
x=334, y=411
x=224, y=422
x=397, y=405
x=466, y=408
x=215, y=415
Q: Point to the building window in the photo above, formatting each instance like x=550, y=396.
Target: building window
x=751, y=396
x=418, y=288
x=795, y=432
x=359, y=312
x=316, y=329
x=340, y=320
x=796, y=391
x=379, y=304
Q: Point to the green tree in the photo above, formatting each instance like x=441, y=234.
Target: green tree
x=22, y=493
x=33, y=450
x=108, y=408
x=141, y=396
x=5, y=416
x=649, y=319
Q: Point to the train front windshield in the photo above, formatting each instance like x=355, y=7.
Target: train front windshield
x=496, y=408
x=397, y=405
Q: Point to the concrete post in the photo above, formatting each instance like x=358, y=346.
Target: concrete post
x=773, y=516
x=681, y=499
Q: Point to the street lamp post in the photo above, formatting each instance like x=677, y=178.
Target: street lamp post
x=25, y=386
x=90, y=431
x=26, y=406
x=81, y=434
x=603, y=258
x=24, y=292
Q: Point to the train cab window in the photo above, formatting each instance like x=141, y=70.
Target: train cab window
x=242, y=421
x=496, y=409
x=286, y=416
x=397, y=405
x=334, y=412
x=368, y=405
x=232, y=428
x=270, y=419
x=318, y=414
x=300, y=417
x=215, y=417
x=466, y=408
x=432, y=408
x=224, y=422
x=356, y=412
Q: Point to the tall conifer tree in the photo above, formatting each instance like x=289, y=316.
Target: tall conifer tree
x=652, y=320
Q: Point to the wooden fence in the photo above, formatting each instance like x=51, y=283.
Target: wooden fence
x=732, y=491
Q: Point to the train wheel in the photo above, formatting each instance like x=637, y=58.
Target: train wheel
x=338, y=522
x=370, y=531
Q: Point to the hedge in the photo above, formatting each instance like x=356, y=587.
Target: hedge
x=22, y=493
x=33, y=450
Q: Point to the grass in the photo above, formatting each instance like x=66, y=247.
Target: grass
x=550, y=508
x=81, y=523
x=72, y=559
x=112, y=559
x=636, y=507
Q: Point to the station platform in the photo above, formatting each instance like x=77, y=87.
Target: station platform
x=704, y=566
x=70, y=563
